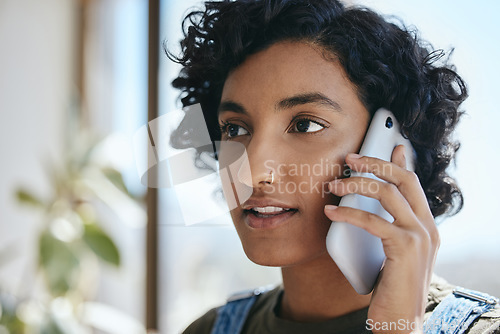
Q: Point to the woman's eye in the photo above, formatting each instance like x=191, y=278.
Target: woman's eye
x=306, y=125
x=233, y=130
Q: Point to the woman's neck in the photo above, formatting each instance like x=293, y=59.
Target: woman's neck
x=318, y=291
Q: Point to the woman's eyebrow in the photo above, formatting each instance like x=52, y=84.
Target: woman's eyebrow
x=231, y=106
x=306, y=98
x=285, y=103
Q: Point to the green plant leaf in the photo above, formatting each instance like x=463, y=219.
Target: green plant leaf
x=116, y=178
x=9, y=318
x=25, y=197
x=59, y=263
x=101, y=244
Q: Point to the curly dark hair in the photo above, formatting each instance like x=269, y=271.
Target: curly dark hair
x=387, y=62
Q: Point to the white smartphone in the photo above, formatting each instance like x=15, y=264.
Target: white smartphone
x=357, y=253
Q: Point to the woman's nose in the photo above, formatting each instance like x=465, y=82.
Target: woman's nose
x=256, y=176
x=261, y=167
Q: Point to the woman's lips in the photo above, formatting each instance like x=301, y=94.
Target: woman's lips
x=267, y=220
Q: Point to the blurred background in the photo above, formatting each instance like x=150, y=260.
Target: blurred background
x=86, y=248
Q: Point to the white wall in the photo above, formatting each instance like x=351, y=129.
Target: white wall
x=36, y=64
x=37, y=72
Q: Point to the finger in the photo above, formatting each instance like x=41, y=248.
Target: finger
x=406, y=181
x=388, y=194
x=398, y=156
x=369, y=222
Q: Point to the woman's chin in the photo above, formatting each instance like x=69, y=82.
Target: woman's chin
x=277, y=258
x=271, y=258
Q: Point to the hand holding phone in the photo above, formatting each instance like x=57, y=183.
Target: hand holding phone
x=357, y=253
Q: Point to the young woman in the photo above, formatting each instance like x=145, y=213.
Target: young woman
x=296, y=83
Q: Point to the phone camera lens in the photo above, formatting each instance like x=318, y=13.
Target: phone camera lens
x=388, y=123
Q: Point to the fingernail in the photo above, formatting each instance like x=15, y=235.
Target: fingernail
x=330, y=207
x=354, y=156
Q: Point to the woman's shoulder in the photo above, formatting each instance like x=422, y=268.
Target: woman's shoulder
x=205, y=323
x=487, y=323
x=439, y=290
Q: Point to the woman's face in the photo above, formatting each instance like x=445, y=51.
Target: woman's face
x=298, y=116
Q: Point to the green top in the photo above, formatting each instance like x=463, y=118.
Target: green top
x=262, y=317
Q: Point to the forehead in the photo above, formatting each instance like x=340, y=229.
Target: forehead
x=286, y=69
